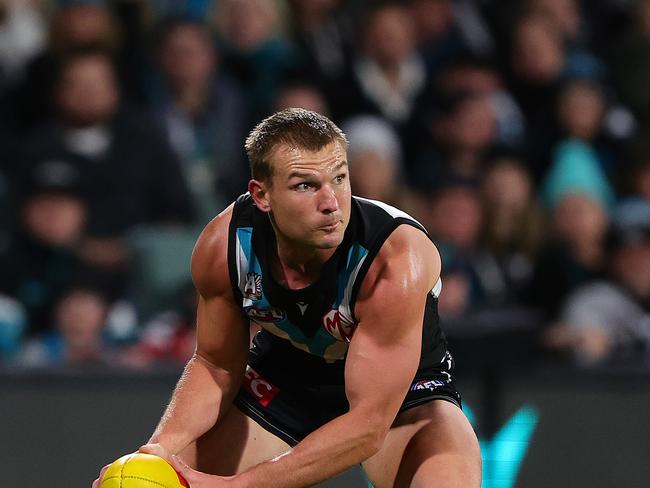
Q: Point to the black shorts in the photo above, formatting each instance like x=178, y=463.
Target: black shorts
x=291, y=393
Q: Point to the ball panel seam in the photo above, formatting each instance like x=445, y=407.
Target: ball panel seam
x=140, y=478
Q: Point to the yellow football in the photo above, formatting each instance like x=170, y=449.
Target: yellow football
x=139, y=470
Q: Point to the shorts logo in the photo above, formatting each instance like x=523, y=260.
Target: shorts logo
x=265, y=315
x=427, y=385
x=261, y=389
x=338, y=326
x=253, y=286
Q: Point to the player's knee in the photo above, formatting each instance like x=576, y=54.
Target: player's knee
x=445, y=453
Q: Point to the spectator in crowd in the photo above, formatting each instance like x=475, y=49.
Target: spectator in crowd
x=462, y=132
x=566, y=16
x=608, y=320
x=582, y=108
x=43, y=259
x=301, y=94
x=446, y=30
x=512, y=232
x=548, y=51
x=324, y=35
x=471, y=75
x=489, y=234
x=454, y=221
x=75, y=25
x=128, y=171
x=76, y=336
x=204, y=113
x=254, y=48
x=579, y=198
x=536, y=68
x=375, y=159
x=388, y=73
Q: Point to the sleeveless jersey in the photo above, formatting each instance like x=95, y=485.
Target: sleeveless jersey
x=319, y=319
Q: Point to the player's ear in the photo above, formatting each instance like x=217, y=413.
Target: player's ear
x=259, y=192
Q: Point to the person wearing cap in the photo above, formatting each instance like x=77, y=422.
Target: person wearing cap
x=578, y=199
x=51, y=220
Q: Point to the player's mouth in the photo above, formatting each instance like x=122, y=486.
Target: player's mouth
x=331, y=227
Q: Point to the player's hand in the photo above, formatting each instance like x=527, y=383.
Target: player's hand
x=97, y=483
x=196, y=479
x=157, y=450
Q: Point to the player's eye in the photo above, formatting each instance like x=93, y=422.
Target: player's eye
x=340, y=178
x=304, y=186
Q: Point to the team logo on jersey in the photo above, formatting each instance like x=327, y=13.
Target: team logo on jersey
x=253, y=286
x=265, y=315
x=338, y=326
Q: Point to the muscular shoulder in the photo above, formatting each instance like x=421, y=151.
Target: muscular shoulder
x=210, y=257
x=408, y=260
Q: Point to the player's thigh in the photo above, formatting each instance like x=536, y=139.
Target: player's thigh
x=233, y=445
x=432, y=445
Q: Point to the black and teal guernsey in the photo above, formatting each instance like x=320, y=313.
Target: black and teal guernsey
x=306, y=333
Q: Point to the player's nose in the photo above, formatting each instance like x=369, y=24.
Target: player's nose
x=328, y=202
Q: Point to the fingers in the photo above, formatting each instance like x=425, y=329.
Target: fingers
x=97, y=483
x=181, y=467
x=196, y=479
x=178, y=464
x=149, y=448
x=156, y=450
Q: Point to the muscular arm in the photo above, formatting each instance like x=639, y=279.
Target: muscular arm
x=382, y=360
x=211, y=378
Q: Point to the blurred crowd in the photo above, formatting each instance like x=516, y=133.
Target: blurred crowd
x=516, y=131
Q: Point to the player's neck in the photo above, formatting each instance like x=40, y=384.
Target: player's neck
x=297, y=268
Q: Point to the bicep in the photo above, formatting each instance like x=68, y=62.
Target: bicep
x=378, y=373
x=222, y=333
x=385, y=351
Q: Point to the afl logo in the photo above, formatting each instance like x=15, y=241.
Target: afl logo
x=338, y=326
x=265, y=315
x=253, y=286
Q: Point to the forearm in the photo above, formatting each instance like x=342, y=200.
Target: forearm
x=345, y=441
x=201, y=395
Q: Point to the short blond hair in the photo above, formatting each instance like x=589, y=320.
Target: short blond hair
x=296, y=127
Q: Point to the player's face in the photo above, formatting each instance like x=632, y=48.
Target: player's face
x=309, y=199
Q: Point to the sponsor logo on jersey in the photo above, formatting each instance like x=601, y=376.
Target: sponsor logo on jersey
x=265, y=315
x=302, y=306
x=258, y=386
x=427, y=385
x=253, y=286
x=338, y=326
